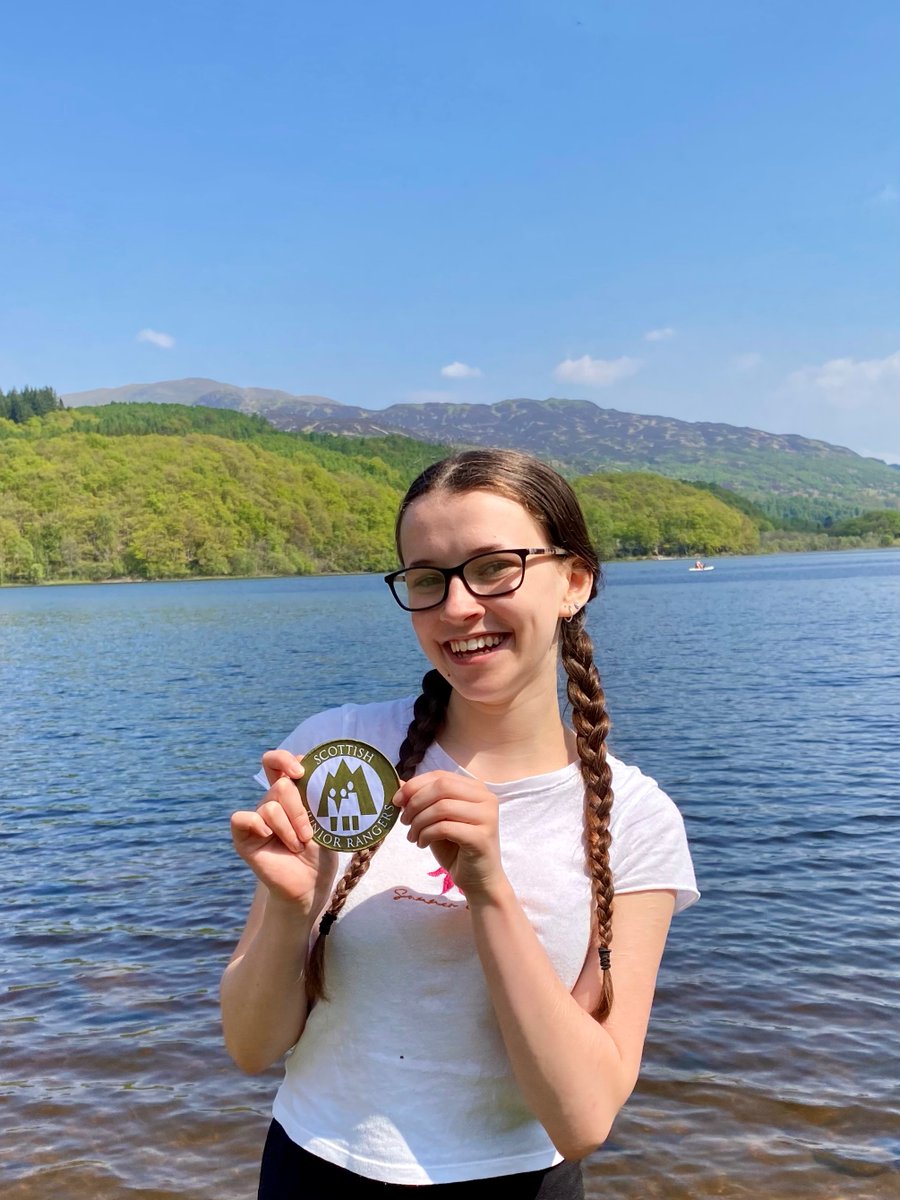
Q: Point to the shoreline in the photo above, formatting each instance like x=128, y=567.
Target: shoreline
x=136, y=579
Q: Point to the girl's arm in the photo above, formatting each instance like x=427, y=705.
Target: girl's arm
x=263, y=993
x=575, y=1074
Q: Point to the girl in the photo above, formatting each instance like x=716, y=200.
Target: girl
x=457, y=1025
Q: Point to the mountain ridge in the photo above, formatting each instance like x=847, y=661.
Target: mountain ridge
x=193, y=390
x=318, y=412
x=577, y=435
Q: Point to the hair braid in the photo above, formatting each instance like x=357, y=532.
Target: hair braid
x=591, y=722
x=428, y=715
x=429, y=711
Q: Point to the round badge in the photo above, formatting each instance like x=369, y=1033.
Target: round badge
x=347, y=788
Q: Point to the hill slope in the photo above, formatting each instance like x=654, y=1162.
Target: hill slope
x=577, y=435
x=788, y=475
x=207, y=392
x=150, y=491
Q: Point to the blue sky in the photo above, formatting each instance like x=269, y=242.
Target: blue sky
x=687, y=209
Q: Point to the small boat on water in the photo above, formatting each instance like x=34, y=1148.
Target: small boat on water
x=699, y=566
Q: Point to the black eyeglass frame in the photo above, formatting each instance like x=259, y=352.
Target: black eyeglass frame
x=450, y=572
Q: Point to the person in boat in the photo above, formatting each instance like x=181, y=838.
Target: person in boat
x=445, y=999
x=699, y=566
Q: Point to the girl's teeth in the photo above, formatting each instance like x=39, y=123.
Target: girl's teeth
x=479, y=643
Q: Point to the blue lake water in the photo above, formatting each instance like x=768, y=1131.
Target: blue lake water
x=763, y=696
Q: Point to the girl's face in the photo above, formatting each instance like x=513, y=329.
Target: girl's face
x=520, y=630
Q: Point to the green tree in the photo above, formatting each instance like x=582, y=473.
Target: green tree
x=20, y=406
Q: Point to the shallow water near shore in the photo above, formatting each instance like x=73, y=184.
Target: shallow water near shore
x=763, y=697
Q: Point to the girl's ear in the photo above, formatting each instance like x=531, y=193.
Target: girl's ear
x=581, y=580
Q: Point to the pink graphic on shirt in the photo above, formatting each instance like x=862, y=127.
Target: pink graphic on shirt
x=448, y=884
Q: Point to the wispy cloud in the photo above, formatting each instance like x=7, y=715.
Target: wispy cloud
x=886, y=196
x=746, y=362
x=458, y=370
x=165, y=341
x=596, y=372
x=659, y=335
x=847, y=401
x=847, y=383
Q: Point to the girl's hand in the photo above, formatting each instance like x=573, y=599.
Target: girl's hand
x=458, y=819
x=276, y=840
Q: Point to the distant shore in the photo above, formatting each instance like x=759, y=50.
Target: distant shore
x=709, y=559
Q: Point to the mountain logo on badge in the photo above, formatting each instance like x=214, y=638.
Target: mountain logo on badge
x=347, y=787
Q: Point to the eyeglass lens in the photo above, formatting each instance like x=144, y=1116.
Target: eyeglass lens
x=486, y=575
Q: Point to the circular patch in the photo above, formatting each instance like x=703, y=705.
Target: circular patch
x=347, y=788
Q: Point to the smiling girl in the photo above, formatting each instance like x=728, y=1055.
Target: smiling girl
x=457, y=1026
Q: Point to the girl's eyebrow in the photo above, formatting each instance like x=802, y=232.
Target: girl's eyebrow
x=489, y=549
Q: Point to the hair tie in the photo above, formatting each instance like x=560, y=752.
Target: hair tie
x=604, y=958
x=326, y=923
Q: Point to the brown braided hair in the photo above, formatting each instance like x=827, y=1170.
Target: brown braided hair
x=591, y=722
x=549, y=499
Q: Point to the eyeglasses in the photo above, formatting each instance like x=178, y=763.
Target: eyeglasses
x=494, y=574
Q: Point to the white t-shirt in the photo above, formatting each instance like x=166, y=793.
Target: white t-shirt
x=402, y=1075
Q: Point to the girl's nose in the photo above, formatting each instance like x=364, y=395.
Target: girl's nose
x=459, y=601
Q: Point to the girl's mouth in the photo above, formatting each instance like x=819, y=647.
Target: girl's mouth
x=474, y=647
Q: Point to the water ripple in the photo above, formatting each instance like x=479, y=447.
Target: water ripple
x=765, y=699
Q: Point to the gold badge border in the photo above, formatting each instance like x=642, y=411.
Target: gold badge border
x=384, y=822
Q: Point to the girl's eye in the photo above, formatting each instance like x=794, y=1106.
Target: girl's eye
x=424, y=581
x=489, y=570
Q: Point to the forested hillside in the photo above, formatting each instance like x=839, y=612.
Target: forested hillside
x=79, y=503
x=165, y=491
x=798, y=481
x=636, y=513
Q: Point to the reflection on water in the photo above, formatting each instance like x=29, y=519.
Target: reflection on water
x=763, y=696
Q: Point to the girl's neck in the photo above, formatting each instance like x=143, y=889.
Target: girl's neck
x=513, y=743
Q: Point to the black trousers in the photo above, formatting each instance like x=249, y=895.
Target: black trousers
x=291, y=1173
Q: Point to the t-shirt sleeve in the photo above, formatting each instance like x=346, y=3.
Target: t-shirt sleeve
x=322, y=727
x=649, y=849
